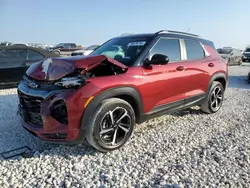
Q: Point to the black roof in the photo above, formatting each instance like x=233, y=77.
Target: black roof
x=172, y=34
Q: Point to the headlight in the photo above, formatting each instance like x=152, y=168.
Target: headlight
x=70, y=82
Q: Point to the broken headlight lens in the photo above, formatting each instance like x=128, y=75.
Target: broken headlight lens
x=70, y=82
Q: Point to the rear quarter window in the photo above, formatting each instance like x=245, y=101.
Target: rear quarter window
x=194, y=50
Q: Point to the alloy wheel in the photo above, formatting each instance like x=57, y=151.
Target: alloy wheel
x=114, y=127
x=216, y=98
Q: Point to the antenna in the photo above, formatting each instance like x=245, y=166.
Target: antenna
x=188, y=30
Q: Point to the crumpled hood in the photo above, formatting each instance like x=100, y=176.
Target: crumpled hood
x=52, y=69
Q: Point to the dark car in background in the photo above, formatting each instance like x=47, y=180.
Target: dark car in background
x=15, y=60
x=233, y=55
x=64, y=48
x=246, y=55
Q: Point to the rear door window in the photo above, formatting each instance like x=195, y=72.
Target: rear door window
x=194, y=50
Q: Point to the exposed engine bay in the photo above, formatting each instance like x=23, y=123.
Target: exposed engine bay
x=104, y=69
x=67, y=73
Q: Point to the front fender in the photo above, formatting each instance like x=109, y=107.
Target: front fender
x=109, y=93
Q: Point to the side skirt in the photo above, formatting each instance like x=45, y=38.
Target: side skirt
x=173, y=107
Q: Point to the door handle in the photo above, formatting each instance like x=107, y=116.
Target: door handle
x=211, y=64
x=180, y=68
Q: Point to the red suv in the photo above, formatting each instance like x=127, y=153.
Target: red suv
x=127, y=80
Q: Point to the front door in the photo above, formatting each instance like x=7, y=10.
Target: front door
x=167, y=83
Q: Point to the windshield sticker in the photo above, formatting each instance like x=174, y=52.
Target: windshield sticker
x=141, y=43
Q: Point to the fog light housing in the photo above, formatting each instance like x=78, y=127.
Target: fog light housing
x=58, y=111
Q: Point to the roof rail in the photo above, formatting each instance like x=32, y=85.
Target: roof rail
x=176, y=32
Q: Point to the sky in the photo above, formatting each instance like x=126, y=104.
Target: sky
x=88, y=22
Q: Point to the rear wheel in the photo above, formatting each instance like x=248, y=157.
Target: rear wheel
x=111, y=125
x=214, y=98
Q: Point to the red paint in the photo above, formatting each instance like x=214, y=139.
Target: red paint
x=160, y=85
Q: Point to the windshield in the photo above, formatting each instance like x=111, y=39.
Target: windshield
x=58, y=45
x=124, y=50
x=247, y=50
x=224, y=51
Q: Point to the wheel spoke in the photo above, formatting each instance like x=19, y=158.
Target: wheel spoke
x=122, y=116
x=111, y=117
x=218, y=92
x=219, y=97
x=114, y=138
x=213, y=94
x=105, y=131
x=213, y=102
x=216, y=103
x=123, y=127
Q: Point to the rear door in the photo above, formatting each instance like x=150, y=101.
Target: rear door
x=198, y=69
x=12, y=65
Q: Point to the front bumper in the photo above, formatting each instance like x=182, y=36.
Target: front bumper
x=54, y=116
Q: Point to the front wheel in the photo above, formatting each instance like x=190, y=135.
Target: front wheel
x=214, y=98
x=111, y=125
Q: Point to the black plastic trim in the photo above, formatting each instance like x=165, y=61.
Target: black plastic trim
x=215, y=77
x=195, y=100
x=163, y=109
x=174, y=106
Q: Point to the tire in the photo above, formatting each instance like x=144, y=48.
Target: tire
x=208, y=105
x=105, y=142
x=248, y=77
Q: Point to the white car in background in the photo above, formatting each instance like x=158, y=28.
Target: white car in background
x=19, y=44
x=85, y=51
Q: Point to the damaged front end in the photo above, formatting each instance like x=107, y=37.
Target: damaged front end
x=50, y=98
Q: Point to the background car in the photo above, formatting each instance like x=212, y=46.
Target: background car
x=64, y=48
x=5, y=43
x=15, y=60
x=85, y=51
x=233, y=55
x=19, y=44
x=246, y=55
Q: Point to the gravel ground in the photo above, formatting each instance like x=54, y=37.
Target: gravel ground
x=185, y=149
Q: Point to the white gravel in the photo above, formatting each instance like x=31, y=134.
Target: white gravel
x=186, y=149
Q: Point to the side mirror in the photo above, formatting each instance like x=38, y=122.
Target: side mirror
x=157, y=59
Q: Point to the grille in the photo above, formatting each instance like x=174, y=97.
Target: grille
x=29, y=108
